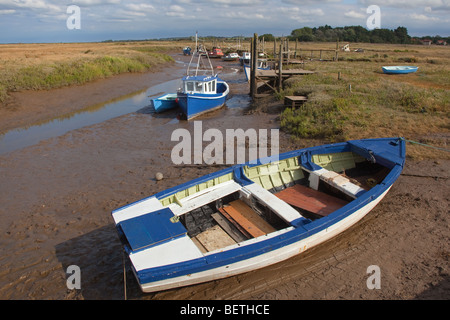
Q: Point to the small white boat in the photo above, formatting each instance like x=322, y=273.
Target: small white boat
x=245, y=58
x=231, y=57
x=250, y=216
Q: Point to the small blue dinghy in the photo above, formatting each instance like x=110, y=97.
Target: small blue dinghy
x=399, y=69
x=165, y=102
x=253, y=215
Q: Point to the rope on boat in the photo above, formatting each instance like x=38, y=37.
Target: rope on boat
x=426, y=145
x=124, y=276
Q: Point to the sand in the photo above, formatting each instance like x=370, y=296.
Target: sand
x=57, y=196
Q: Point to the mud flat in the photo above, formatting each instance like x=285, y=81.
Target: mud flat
x=56, y=198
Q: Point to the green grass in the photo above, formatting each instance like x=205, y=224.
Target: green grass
x=80, y=71
x=377, y=105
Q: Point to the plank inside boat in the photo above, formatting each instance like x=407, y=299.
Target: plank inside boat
x=214, y=238
x=248, y=219
x=311, y=200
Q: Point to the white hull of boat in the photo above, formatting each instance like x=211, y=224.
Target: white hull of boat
x=267, y=259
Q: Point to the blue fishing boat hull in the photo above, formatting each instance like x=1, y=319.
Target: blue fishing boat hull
x=165, y=102
x=247, y=70
x=163, y=254
x=399, y=69
x=195, y=104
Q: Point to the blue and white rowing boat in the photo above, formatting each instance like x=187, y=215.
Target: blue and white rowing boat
x=399, y=69
x=165, y=102
x=251, y=216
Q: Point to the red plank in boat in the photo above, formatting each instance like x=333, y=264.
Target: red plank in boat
x=311, y=200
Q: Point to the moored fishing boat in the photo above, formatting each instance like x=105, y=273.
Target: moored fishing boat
x=201, y=94
x=261, y=64
x=245, y=58
x=399, y=69
x=231, y=57
x=202, y=90
x=249, y=216
x=216, y=53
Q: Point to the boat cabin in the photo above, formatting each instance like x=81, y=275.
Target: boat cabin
x=200, y=84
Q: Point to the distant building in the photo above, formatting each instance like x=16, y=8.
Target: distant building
x=442, y=42
x=427, y=42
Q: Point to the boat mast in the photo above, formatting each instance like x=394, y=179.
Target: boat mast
x=200, y=67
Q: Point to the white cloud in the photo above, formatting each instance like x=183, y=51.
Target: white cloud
x=422, y=17
x=29, y=4
x=7, y=11
x=439, y=4
x=176, y=8
x=355, y=15
x=141, y=7
x=241, y=15
x=90, y=3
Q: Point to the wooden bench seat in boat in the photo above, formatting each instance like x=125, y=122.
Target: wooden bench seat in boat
x=283, y=210
x=247, y=219
x=336, y=180
x=311, y=200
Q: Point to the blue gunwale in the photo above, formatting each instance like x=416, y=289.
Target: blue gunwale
x=303, y=228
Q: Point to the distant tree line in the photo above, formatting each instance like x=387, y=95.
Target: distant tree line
x=355, y=34
x=351, y=34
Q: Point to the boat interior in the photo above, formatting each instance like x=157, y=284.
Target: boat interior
x=220, y=213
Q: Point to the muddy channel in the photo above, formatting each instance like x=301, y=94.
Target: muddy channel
x=62, y=176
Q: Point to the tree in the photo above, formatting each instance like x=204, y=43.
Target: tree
x=267, y=37
x=303, y=34
x=402, y=35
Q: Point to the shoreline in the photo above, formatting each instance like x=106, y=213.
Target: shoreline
x=25, y=108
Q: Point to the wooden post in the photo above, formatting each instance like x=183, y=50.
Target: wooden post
x=274, y=48
x=287, y=47
x=253, y=66
x=280, y=69
x=296, y=44
x=336, y=58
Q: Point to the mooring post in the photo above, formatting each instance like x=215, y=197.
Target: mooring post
x=253, y=66
x=274, y=48
x=296, y=44
x=280, y=69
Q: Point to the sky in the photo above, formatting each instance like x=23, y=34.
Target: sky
x=99, y=20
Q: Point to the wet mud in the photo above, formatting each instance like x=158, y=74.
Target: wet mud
x=57, y=196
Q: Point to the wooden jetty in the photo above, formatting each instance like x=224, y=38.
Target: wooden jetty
x=272, y=74
x=272, y=78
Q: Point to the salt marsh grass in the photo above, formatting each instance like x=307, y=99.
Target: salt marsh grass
x=366, y=103
x=47, y=66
